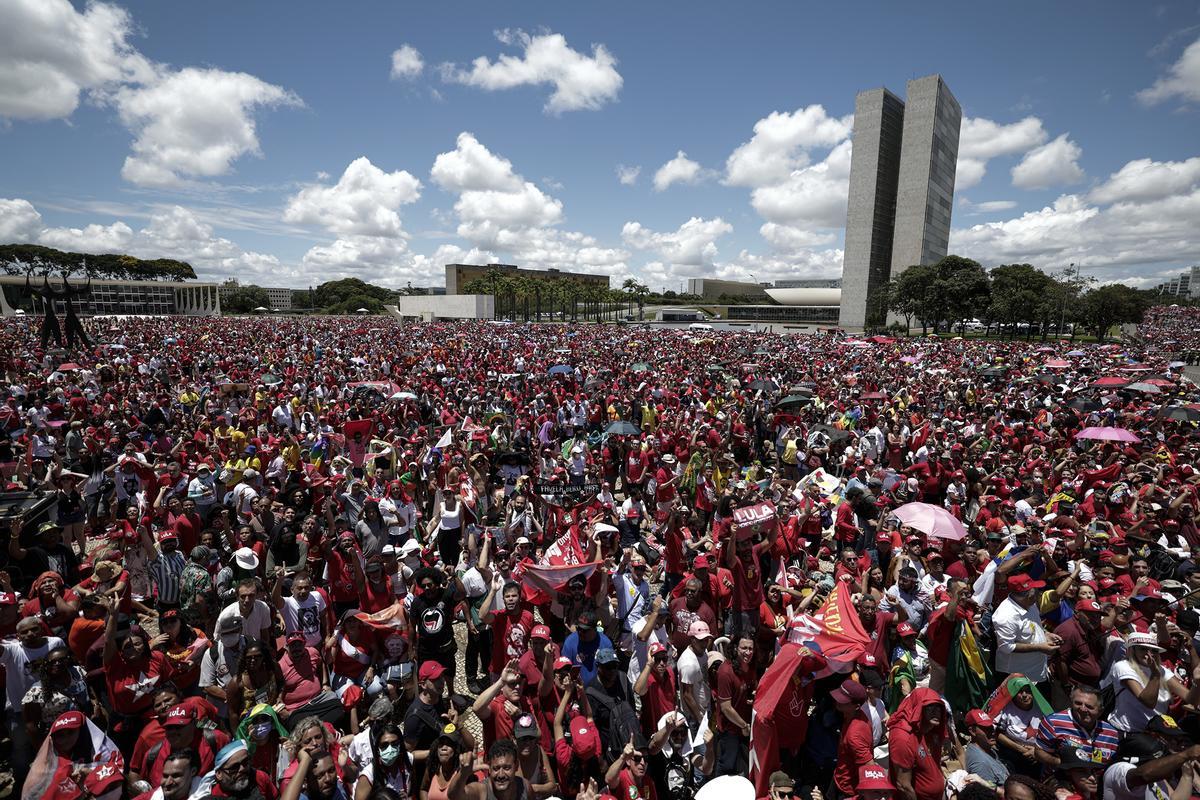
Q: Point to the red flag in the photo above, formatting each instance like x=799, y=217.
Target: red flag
x=562, y=562
x=835, y=628
x=780, y=717
x=918, y=438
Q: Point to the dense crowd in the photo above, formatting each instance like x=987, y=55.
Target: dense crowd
x=334, y=558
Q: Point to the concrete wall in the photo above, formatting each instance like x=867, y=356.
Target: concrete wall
x=449, y=306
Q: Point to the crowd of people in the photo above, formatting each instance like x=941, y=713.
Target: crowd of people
x=333, y=558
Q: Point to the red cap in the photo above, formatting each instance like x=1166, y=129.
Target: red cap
x=1023, y=583
x=1087, y=605
x=905, y=629
x=166, y=534
x=296, y=636
x=874, y=778
x=179, y=715
x=883, y=536
x=430, y=671
x=977, y=717
x=701, y=562
x=540, y=632
x=585, y=741
x=101, y=779
x=562, y=662
x=656, y=648
x=67, y=721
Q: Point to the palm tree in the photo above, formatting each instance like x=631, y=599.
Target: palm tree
x=574, y=291
x=639, y=291
x=482, y=286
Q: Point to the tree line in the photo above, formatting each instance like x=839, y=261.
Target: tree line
x=1017, y=300
x=25, y=259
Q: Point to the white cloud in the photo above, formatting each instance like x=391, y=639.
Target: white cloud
x=628, y=175
x=1182, y=79
x=50, y=54
x=365, y=201
x=811, y=197
x=19, y=221
x=1052, y=164
x=114, y=238
x=1144, y=179
x=194, y=122
x=981, y=140
x=679, y=169
x=789, y=239
x=471, y=167
x=780, y=145
x=406, y=63
x=693, y=244
x=987, y=206
x=580, y=81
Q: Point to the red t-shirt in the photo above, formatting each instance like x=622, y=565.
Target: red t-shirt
x=207, y=753
x=921, y=757
x=855, y=748
x=628, y=790
x=511, y=632
x=748, y=581
x=131, y=687
x=301, y=679
x=735, y=687
x=659, y=698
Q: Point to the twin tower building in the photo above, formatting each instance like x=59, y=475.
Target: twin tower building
x=901, y=191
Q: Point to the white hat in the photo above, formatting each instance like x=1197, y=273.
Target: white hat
x=523, y=540
x=1147, y=640
x=668, y=458
x=410, y=547
x=389, y=550
x=246, y=558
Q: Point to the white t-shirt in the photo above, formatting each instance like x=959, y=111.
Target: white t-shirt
x=641, y=650
x=1020, y=726
x=16, y=660
x=693, y=672
x=252, y=625
x=1116, y=784
x=304, y=617
x=1129, y=715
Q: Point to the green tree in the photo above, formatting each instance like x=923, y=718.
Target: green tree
x=1018, y=291
x=960, y=290
x=244, y=299
x=15, y=259
x=910, y=294
x=1100, y=309
x=335, y=294
x=638, y=291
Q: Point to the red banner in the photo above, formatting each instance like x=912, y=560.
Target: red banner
x=835, y=628
x=781, y=701
x=750, y=520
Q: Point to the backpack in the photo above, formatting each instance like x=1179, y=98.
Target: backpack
x=622, y=725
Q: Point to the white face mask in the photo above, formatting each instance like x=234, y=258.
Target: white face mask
x=389, y=754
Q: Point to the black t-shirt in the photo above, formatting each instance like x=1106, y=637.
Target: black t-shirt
x=433, y=617
x=422, y=724
x=59, y=558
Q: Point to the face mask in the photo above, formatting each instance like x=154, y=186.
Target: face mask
x=261, y=731
x=389, y=754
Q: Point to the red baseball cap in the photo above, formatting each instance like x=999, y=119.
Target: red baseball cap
x=1087, y=605
x=874, y=778
x=179, y=715
x=701, y=562
x=540, y=632
x=905, y=629
x=430, y=671
x=656, y=648
x=585, y=741
x=562, y=662
x=101, y=779
x=1023, y=583
x=67, y=721
x=977, y=717
x=166, y=534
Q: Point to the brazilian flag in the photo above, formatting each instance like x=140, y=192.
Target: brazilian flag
x=967, y=674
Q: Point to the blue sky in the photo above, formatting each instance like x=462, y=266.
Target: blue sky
x=287, y=143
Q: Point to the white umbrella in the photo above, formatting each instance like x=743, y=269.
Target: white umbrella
x=404, y=396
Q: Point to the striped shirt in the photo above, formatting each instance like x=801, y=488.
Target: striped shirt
x=1061, y=728
x=165, y=571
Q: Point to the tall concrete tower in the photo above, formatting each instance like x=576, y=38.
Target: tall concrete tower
x=901, y=190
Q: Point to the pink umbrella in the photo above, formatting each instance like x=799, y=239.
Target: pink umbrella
x=1108, y=435
x=1057, y=364
x=932, y=520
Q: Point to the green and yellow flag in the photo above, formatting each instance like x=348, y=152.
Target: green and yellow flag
x=967, y=675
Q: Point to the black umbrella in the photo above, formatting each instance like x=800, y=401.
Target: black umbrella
x=761, y=385
x=835, y=434
x=993, y=372
x=622, y=428
x=1180, y=414
x=793, y=401
x=1085, y=404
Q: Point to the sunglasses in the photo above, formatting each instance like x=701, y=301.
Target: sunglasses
x=234, y=767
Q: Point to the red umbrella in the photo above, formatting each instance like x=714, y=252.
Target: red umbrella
x=67, y=367
x=1057, y=364
x=874, y=396
x=1137, y=368
x=1110, y=380
x=1163, y=382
